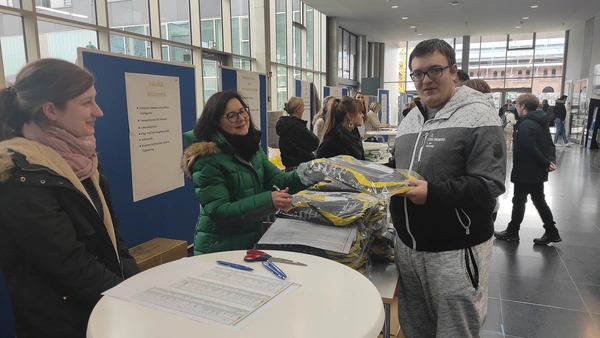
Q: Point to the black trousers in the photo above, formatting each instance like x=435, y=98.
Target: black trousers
x=539, y=201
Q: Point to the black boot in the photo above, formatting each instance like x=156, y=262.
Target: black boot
x=507, y=235
x=548, y=237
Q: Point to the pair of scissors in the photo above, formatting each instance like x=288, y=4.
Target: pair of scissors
x=261, y=256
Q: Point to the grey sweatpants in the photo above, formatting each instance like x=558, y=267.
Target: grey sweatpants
x=437, y=297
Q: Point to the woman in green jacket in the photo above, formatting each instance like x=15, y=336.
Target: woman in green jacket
x=232, y=176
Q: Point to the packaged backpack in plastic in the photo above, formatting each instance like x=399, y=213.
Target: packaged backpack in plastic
x=365, y=176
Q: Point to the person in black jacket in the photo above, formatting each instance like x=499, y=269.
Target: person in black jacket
x=534, y=157
x=60, y=245
x=296, y=143
x=559, y=120
x=341, y=136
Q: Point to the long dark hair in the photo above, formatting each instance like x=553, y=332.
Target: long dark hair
x=338, y=110
x=39, y=82
x=209, y=123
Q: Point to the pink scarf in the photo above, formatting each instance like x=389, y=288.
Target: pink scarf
x=80, y=154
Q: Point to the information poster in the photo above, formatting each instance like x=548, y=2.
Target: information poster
x=305, y=85
x=384, y=106
x=154, y=111
x=249, y=87
x=336, y=92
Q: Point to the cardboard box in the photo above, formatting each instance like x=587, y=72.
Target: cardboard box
x=158, y=251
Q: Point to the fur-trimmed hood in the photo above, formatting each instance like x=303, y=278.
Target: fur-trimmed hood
x=196, y=151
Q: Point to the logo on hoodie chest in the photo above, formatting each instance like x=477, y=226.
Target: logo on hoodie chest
x=431, y=140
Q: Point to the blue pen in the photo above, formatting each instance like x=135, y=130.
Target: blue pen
x=277, y=268
x=236, y=266
x=273, y=270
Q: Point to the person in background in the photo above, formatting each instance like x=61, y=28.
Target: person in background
x=534, y=158
x=372, y=121
x=444, y=222
x=505, y=108
x=545, y=106
x=60, y=244
x=340, y=137
x=361, y=130
x=559, y=121
x=319, y=120
x=409, y=106
x=296, y=143
x=232, y=177
x=461, y=78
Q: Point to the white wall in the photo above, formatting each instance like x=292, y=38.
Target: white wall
x=575, y=68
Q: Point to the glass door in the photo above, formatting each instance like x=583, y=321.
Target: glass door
x=578, y=111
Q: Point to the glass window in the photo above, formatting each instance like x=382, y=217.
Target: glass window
x=78, y=10
x=176, y=54
x=310, y=77
x=492, y=56
x=474, y=55
x=517, y=64
x=516, y=41
x=176, y=15
x=280, y=31
x=297, y=74
x=240, y=27
x=130, y=46
x=340, y=52
x=12, y=43
x=297, y=11
x=297, y=46
x=128, y=13
x=353, y=56
x=211, y=24
x=210, y=74
x=458, y=50
x=345, y=56
x=11, y=3
x=61, y=41
x=549, y=53
x=281, y=87
x=241, y=63
x=310, y=37
x=547, y=89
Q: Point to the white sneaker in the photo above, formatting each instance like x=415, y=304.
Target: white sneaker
x=558, y=145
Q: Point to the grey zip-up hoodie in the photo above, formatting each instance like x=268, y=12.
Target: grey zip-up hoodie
x=461, y=153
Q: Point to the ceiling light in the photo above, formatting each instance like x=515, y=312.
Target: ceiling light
x=525, y=18
x=405, y=18
x=518, y=27
x=419, y=34
x=394, y=6
x=534, y=6
x=52, y=10
x=413, y=26
x=454, y=3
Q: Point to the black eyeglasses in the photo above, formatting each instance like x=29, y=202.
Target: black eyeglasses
x=433, y=73
x=233, y=117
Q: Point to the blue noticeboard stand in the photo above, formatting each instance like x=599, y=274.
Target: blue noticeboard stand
x=172, y=214
x=229, y=78
x=383, y=96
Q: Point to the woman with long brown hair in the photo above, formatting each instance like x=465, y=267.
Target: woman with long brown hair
x=60, y=246
x=340, y=137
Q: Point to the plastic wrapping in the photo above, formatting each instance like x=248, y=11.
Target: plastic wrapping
x=382, y=248
x=337, y=209
x=365, y=176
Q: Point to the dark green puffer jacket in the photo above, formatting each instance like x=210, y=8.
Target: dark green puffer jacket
x=234, y=195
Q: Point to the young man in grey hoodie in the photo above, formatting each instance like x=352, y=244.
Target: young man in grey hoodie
x=455, y=141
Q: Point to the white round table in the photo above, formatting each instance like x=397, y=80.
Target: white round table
x=333, y=301
x=391, y=132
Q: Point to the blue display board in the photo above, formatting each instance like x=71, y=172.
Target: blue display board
x=383, y=96
x=229, y=81
x=172, y=214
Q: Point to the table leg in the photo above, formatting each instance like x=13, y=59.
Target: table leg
x=387, y=325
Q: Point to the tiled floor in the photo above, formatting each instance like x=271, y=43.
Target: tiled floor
x=553, y=291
